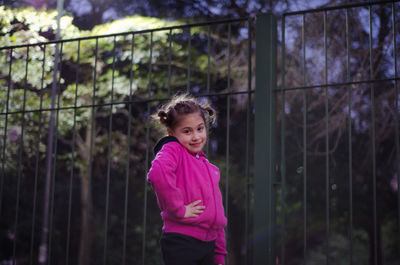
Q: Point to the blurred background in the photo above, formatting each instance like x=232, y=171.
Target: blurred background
x=336, y=143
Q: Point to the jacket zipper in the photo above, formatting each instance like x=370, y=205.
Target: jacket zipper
x=215, y=202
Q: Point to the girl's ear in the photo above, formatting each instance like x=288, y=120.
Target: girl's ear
x=170, y=132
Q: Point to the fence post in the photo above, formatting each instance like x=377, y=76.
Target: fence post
x=264, y=142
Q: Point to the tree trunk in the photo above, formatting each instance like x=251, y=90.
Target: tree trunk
x=86, y=235
x=86, y=223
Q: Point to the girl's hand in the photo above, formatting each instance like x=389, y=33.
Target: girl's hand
x=193, y=209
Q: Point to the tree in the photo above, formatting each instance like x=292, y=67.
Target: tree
x=338, y=107
x=340, y=101
x=95, y=74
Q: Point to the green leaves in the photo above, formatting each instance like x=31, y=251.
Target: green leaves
x=102, y=69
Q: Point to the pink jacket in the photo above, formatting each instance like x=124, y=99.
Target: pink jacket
x=179, y=178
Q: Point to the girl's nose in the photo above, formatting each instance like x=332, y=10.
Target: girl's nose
x=196, y=136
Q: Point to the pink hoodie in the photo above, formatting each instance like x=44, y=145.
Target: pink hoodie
x=179, y=178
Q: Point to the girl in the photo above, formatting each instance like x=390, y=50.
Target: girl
x=187, y=186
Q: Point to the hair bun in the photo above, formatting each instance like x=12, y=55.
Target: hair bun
x=210, y=111
x=163, y=116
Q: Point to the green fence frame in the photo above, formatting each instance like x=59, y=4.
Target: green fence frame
x=263, y=232
x=270, y=176
x=265, y=143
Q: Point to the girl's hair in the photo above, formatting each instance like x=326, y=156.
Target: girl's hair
x=170, y=113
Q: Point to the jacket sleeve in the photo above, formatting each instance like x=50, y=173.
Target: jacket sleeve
x=220, y=248
x=163, y=180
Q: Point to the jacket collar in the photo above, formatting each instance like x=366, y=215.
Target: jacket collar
x=167, y=139
x=162, y=141
x=201, y=154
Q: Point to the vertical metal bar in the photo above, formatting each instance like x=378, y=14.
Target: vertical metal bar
x=91, y=150
x=208, y=57
x=44, y=237
x=150, y=65
x=147, y=154
x=37, y=159
x=145, y=185
x=208, y=80
x=49, y=159
x=326, y=143
x=128, y=153
x=247, y=162
x=264, y=151
x=20, y=166
x=228, y=119
x=283, y=147
x=54, y=157
x=109, y=158
x=349, y=139
x=3, y=157
x=72, y=155
x=373, y=138
x=272, y=167
x=396, y=103
x=188, y=62
x=304, y=142
x=169, y=62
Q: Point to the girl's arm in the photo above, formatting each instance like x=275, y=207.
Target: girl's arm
x=220, y=248
x=163, y=180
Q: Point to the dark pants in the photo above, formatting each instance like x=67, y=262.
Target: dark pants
x=179, y=249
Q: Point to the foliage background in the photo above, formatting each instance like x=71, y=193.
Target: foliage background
x=25, y=168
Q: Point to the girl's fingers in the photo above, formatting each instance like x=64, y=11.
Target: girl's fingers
x=193, y=209
x=194, y=203
x=194, y=214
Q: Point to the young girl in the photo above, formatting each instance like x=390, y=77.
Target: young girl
x=187, y=186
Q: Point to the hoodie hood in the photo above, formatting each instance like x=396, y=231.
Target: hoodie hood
x=162, y=141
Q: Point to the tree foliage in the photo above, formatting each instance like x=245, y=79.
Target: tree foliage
x=103, y=84
x=356, y=108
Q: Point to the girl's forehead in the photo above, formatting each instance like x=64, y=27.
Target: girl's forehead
x=190, y=120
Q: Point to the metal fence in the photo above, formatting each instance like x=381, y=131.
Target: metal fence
x=96, y=207
x=332, y=196
x=322, y=187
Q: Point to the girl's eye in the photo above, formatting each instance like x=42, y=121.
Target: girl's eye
x=186, y=131
x=200, y=129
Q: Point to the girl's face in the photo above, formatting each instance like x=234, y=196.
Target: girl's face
x=191, y=132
